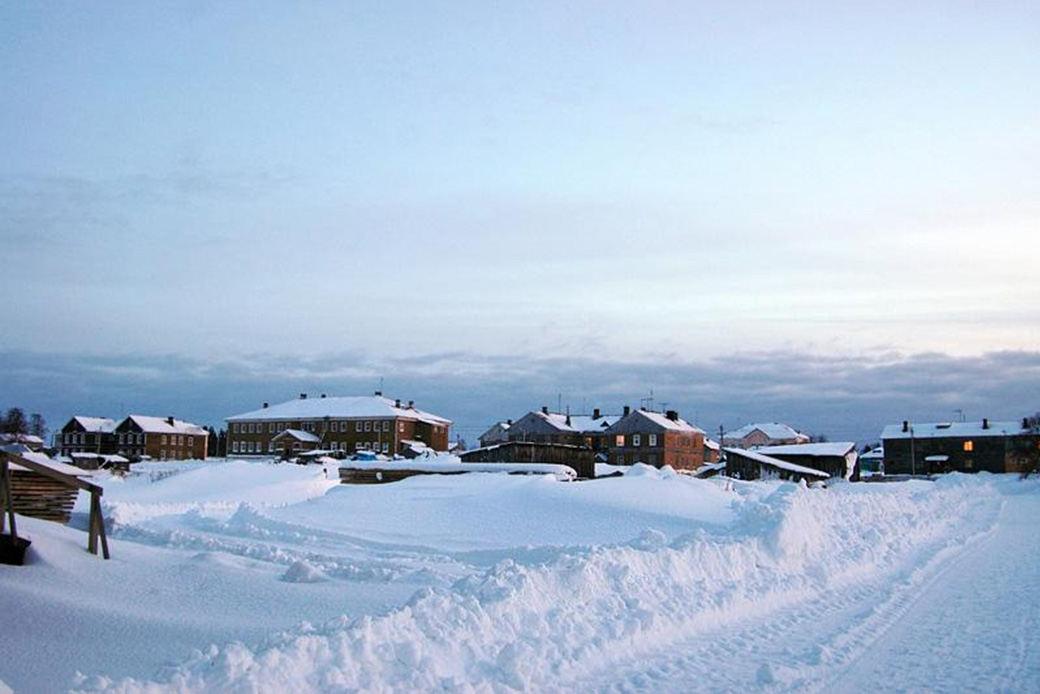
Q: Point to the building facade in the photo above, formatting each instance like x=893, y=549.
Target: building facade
x=158, y=438
x=347, y=424
x=87, y=435
x=937, y=447
x=763, y=434
x=656, y=439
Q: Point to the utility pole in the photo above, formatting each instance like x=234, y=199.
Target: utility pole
x=913, y=461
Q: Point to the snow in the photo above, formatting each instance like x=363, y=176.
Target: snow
x=44, y=459
x=97, y=424
x=956, y=430
x=299, y=435
x=773, y=430
x=356, y=407
x=161, y=425
x=262, y=577
x=665, y=423
x=776, y=462
x=834, y=448
x=451, y=464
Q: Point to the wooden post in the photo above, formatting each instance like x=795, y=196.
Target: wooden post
x=6, y=499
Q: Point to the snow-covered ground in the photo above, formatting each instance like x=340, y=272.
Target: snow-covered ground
x=255, y=577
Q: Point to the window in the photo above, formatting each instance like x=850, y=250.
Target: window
x=651, y=439
x=270, y=446
x=636, y=439
x=386, y=447
x=400, y=427
x=234, y=427
x=335, y=426
x=357, y=426
x=122, y=438
x=190, y=439
x=357, y=446
x=619, y=440
x=969, y=446
x=368, y=426
x=386, y=425
x=163, y=439
x=270, y=428
x=234, y=447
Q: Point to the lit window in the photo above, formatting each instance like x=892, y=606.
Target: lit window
x=619, y=440
x=969, y=446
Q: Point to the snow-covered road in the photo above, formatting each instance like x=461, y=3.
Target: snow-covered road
x=967, y=620
x=975, y=627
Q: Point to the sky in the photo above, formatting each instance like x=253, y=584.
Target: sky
x=568, y=196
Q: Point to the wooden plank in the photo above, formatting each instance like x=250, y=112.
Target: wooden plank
x=71, y=480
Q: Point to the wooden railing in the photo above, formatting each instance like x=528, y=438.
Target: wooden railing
x=96, y=526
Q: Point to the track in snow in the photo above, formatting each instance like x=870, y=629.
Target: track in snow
x=968, y=620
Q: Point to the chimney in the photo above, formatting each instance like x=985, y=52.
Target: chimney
x=906, y=426
x=169, y=420
x=323, y=396
x=545, y=409
x=397, y=402
x=595, y=413
x=411, y=404
x=568, y=420
x=672, y=415
x=303, y=396
x=1025, y=422
x=379, y=393
x=509, y=422
x=985, y=423
x=628, y=410
x=265, y=405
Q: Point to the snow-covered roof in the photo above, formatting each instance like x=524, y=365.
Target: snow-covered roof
x=776, y=462
x=352, y=407
x=774, y=430
x=95, y=424
x=162, y=425
x=21, y=438
x=662, y=420
x=873, y=454
x=577, y=423
x=836, y=448
x=711, y=443
x=299, y=435
x=955, y=430
x=108, y=458
x=43, y=459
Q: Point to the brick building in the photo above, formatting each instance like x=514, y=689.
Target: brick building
x=654, y=438
x=763, y=434
x=348, y=424
x=160, y=438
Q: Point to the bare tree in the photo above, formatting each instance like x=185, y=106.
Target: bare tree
x=37, y=425
x=14, y=422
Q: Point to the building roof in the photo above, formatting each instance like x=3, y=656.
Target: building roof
x=95, y=424
x=836, y=448
x=577, y=423
x=43, y=459
x=774, y=430
x=162, y=425
x=775, y=462
x=354, y=407
x=953, y=430
x=299, y=435
x=677, y=424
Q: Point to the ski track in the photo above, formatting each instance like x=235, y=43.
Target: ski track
x=875, y=637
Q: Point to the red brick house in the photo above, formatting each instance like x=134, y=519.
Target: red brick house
x=349, y=424
x=655, y=438
x=160, y=438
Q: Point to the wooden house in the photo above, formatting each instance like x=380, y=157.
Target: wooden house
x=580, y=458
x=496, y=433
x=837, y=459
x=87, y=435
x=937, y=447
x=763, y=434
x=753, y=465
x=562, y=428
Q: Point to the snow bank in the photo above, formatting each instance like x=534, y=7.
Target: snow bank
x=543, y=627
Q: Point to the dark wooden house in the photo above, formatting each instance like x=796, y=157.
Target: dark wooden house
x=752, y=465
x=837, y=459
x=932, y=448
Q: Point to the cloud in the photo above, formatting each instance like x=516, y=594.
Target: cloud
x=850, y=397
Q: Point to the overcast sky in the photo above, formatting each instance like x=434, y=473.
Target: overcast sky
x=694, y=185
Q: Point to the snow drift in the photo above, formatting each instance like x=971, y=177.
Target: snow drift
x=545, y=626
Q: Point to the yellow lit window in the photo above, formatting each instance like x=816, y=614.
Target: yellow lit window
x=969, y=446
x=619, y=440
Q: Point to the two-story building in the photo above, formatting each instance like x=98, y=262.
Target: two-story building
x=763, y=434
x=87, y=435
x=160, y=438
x=935, y=447
x=348, y=424
x=562, y=428
x=656, y=439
